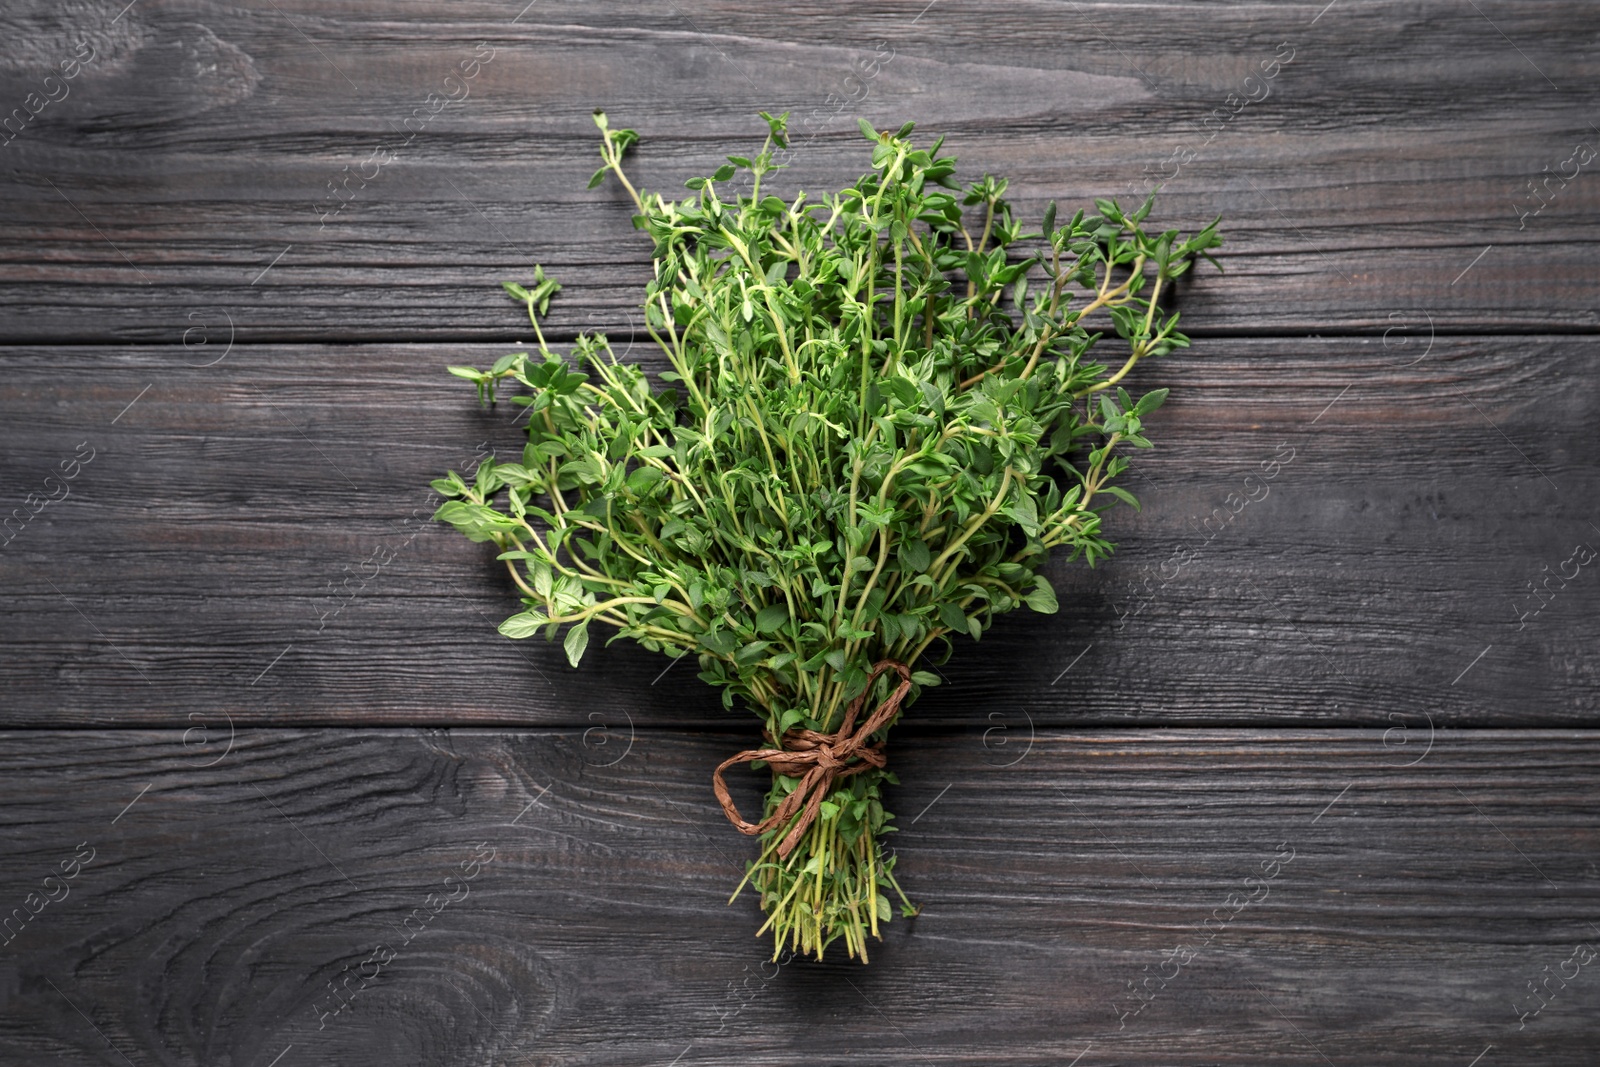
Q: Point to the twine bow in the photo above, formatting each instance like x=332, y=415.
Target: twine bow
x=817, y=759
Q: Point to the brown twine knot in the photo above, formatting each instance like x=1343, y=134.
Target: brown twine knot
x=817, y=759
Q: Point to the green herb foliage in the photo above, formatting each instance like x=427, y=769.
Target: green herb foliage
x=881, y=415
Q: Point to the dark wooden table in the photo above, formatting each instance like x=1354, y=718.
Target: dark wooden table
x=1309, y=781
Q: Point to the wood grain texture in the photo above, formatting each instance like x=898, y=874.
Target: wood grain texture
x=189, y=175
x=253, y=702
x=1407, y=909
x=1389, y=521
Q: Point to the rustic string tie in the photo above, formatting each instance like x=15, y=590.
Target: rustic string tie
x=817, y=759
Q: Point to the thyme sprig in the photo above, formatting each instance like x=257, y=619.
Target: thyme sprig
x=884, y=408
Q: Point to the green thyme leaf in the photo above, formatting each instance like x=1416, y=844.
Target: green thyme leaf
x=577, y=640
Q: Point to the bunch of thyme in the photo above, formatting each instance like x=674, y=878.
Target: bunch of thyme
x=875, y=426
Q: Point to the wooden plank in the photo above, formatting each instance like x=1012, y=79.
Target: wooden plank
x=1394, y=913
x=252, y=536
x=1368, y=179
